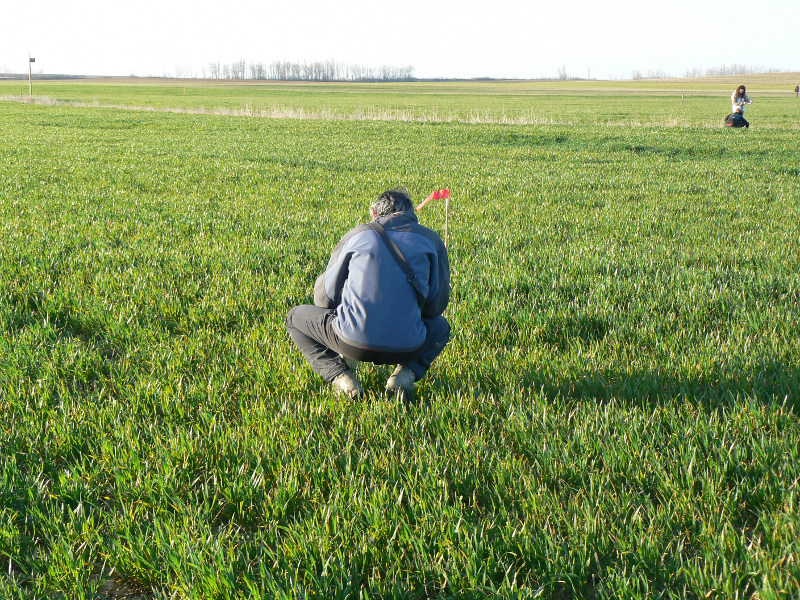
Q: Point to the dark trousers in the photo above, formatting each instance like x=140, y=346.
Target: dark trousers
x=312, y=330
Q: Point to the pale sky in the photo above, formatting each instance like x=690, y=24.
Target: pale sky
x=439, y=38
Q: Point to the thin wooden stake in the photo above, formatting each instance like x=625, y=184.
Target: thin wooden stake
x=446, y=211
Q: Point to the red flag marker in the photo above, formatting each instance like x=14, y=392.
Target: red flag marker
x=437, y=195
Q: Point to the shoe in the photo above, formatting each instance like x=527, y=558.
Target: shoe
x=347, y=384
x=401, y=384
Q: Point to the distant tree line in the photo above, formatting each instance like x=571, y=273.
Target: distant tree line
x=328, y=70
x=734, y=69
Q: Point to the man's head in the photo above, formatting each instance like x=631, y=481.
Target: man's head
x=392, y=201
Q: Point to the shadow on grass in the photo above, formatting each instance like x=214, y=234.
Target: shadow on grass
x=768, y=381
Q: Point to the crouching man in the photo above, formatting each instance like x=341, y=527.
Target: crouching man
x=380, y=300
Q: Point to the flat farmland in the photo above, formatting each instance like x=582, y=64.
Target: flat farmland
x=616, y=414
x=702, y=102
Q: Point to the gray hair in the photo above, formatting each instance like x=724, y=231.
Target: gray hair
x=392, y=201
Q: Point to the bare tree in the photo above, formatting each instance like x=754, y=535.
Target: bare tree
x=258, y=71
x=236, y=70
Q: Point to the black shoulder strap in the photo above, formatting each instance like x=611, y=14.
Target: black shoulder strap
x=400, y=259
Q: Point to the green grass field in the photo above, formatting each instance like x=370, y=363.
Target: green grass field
x=616, y=415
x=684, y=102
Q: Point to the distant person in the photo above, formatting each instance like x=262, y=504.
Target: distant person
x=739, y=100
x=796, y=90
x=380, y=300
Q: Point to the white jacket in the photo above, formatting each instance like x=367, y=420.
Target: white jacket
x=738, y=104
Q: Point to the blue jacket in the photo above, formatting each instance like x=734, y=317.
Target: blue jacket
x=376, y=306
